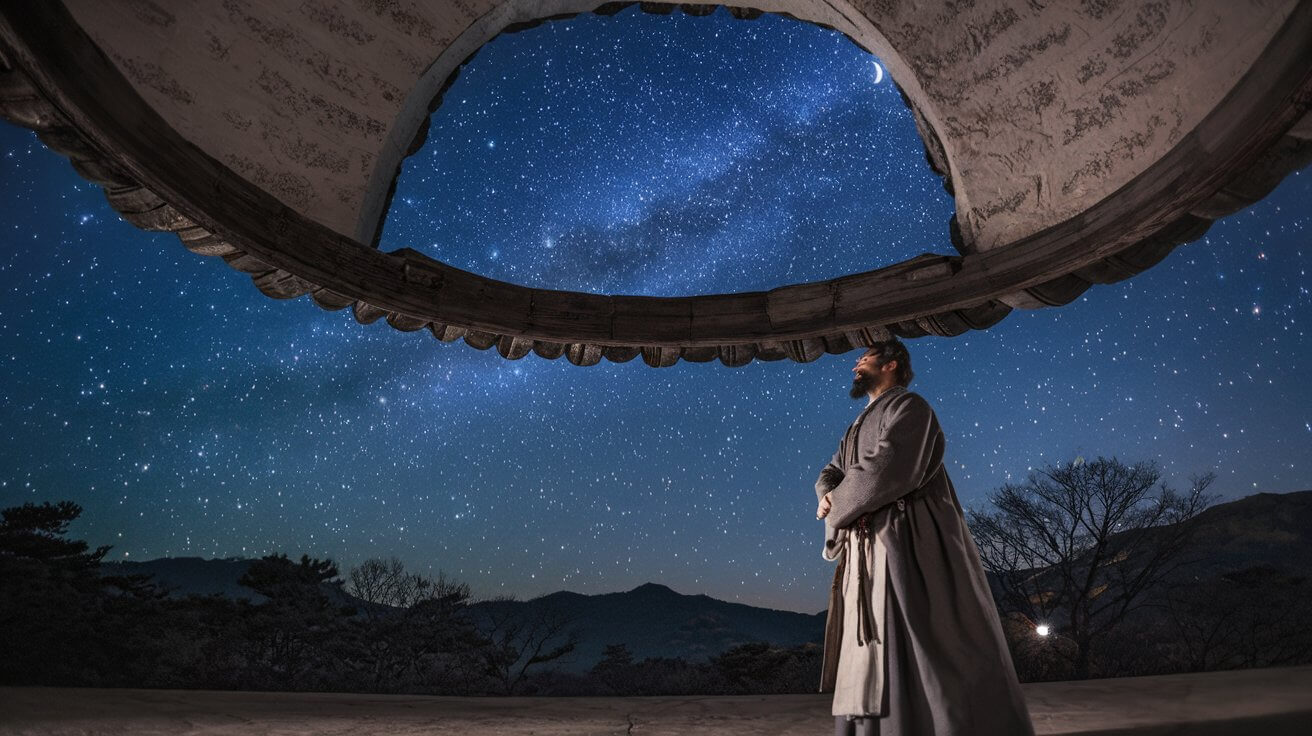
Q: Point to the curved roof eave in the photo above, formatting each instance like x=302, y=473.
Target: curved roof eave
x=81, y=107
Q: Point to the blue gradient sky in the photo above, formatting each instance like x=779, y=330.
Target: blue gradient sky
x=665, y=155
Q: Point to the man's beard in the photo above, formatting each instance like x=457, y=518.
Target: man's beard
x=861, y=385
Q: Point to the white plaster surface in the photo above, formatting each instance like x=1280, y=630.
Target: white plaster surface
x=1042, y=108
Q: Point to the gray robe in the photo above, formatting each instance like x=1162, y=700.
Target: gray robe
x=938, y=663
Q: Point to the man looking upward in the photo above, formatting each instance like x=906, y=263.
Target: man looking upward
x=913, y=644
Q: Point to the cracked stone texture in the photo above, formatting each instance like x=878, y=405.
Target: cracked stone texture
x=1045, y=109
x=1041, y=109
x=1272, y=702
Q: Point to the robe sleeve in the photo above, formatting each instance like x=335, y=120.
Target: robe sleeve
x=830, y=476
x=835, y=543
x=889, y=464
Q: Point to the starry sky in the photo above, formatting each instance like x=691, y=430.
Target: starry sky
x=663, y=155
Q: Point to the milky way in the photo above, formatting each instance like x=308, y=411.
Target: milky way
x=662, y=155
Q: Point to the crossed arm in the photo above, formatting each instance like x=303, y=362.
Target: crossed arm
x=830, y=476
x=889, y=464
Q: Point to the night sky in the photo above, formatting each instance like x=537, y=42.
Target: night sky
x=663, y=155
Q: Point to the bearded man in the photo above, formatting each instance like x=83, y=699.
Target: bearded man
x=913, y=644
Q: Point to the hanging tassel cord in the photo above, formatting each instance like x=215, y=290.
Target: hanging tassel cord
x=866, y=631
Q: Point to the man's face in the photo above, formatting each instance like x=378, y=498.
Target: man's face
x=865, y=375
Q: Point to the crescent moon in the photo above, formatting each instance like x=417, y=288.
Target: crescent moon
x=879, y=73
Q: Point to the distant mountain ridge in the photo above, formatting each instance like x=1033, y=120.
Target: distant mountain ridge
x=184, y=576
x=1262, y=529
x=654, y=621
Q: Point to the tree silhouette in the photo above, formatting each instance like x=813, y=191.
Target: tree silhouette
x=61, y=621
x=762, y=667
x=1254, y=617
x=520, y=638
x=35, y=533
x=387, y=584
x=1077, y=545
x=614, y=671
x=417, y=629
x=291, y=634
x=614, y=656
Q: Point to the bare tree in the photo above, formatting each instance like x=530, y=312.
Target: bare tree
x=420, y=631
x=1255, y=617
x=368, y=581
x=1077, y=545
x=386, y=583
x=521, y=636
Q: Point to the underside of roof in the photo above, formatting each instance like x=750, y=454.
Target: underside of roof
x=1081, y=142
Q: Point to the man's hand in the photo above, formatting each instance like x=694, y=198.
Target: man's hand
x=823, y=509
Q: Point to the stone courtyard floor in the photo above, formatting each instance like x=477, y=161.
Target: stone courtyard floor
x=1269, y=702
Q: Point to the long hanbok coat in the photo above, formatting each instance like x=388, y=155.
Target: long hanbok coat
x=927, y=653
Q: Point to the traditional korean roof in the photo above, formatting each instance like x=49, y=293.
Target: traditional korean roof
x=1082, y=143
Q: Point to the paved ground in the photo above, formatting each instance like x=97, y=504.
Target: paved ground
x=1270, y=702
